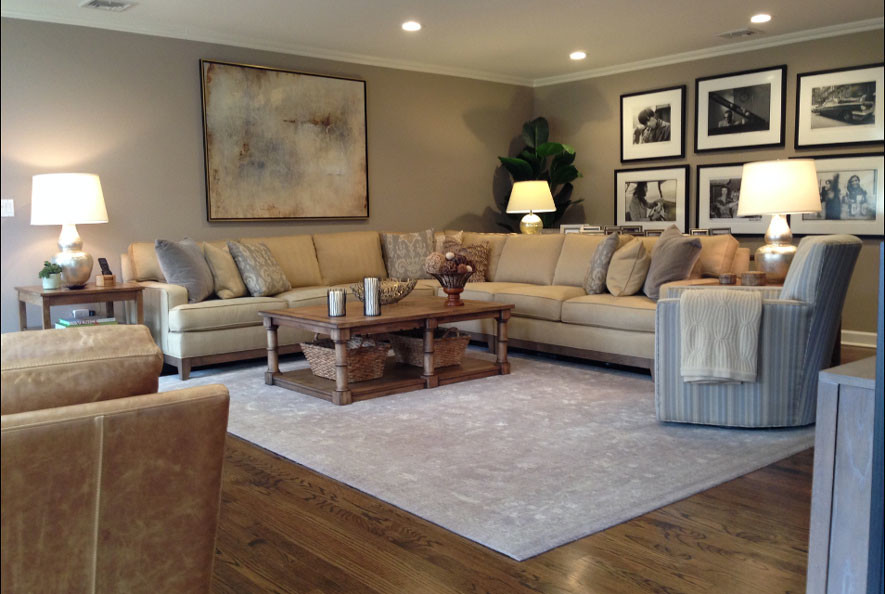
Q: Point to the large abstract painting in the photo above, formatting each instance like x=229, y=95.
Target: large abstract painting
x=283, y=145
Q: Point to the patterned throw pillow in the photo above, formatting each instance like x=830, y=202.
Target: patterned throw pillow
x=594, y=282
x=478, y=253
x=445, y=242
x=404, y=253
x=260, y=271
x=182, y=263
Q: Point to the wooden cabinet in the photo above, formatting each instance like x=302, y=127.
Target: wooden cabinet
x=843, y=470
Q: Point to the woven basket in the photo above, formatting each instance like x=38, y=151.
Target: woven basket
x=448, y=347
x=365, y=358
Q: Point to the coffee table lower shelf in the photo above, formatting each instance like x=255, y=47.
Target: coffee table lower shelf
x=397, y=378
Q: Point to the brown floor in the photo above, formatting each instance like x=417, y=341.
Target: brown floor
x=285, y=528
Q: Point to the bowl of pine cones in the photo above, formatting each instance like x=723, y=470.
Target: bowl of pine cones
x=452, y=271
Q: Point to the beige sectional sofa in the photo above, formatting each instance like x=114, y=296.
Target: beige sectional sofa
x=542, y=275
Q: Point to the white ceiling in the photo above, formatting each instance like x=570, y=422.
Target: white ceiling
x=517, y=41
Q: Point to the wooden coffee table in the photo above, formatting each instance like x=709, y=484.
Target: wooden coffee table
x=426, y=313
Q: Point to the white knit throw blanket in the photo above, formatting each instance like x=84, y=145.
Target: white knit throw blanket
x=720, y=335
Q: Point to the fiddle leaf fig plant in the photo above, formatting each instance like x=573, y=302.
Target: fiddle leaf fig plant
x=534, y=163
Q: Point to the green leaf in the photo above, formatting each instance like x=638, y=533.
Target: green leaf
x=549, y=149
x=536, y=132
x=518, y=168
x=564, y=158
x=562, y=175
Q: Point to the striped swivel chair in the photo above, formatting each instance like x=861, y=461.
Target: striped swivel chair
x=798, y=327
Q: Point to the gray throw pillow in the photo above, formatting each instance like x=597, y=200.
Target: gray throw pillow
x=594, y=281
x=182, y=263
x=404, y=253
x=672, y=259
x=259, y=269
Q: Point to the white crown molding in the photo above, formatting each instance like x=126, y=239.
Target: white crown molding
x=327, y=54
x=258, y=44
x=732, y=48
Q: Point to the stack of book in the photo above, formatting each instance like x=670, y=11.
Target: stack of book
x=90, y=321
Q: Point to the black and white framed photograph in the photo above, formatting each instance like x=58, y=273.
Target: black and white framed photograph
x=655, y=197
x=851, y=197
x=719, y=190
x=743, y=109
x=839, y=107
x=653, y=124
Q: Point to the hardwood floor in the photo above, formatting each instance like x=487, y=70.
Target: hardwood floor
x=285, y=528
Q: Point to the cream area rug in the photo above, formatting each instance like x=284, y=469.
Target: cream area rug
x=520, y=463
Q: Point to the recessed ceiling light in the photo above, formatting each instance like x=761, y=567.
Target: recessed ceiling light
x=578, y=55
x=760, y=18
x=411, y=26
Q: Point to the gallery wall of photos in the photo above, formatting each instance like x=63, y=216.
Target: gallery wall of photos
x=747, y=110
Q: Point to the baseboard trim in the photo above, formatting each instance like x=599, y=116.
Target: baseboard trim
x=859, y=339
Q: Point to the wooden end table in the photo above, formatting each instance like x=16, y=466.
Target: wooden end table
x=426, y=313
x=46, y=298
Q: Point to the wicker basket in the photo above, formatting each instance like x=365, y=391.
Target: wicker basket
x=392, y=290
x=365, y=358
x=448, y=347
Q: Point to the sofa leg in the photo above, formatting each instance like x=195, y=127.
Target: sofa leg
x=184, y=369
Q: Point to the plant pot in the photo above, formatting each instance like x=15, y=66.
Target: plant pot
x=53, y=281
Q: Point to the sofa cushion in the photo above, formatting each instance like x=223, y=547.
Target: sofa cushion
x=259, y=269
x=627, y=269
x=50, y=368
x=305, y=296
x=404, y=253
x=228, y=282
x=574, y=259
x=634, y=312
x=717, y=254
x=594, y=281
x=222, y=313
x=144, y=263
x=296, y=255
x=672, y=259
x=349, y=257
x=543, y=302
x=496, y=243
x=529, y=259
x=482, y=291
x=184, y=264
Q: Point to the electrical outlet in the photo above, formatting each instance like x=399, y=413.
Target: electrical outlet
x=7, y=207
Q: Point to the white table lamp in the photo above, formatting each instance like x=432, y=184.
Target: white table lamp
x=69, y=199
x=778, y=188
x=531, y=197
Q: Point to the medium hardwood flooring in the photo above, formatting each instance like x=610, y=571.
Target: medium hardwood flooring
x=286, y=528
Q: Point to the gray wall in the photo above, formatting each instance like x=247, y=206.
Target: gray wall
x=127, y=107
x=586, y=114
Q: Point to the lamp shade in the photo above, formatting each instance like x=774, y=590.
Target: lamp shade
x=779, y=187
x=67, y=198
x=531, y=196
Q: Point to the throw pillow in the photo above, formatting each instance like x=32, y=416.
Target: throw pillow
x=182, y=263
x=478, y=253
x=260, y=271
x=448, y=240
x=627, y=269
x=672, y=259
x=228, y=282
x=594, y=282
x=404, y=253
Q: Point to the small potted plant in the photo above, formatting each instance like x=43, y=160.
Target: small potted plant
x=50, y=275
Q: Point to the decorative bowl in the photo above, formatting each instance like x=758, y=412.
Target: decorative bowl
x=392, y=290
x=453, y=286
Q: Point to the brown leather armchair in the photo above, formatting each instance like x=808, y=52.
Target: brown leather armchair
x=107, y=486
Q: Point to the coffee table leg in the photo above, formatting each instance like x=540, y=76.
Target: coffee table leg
x=431, y=379
x=22, y=315
x=342, y=393
x=273, y=355
x=501, y=342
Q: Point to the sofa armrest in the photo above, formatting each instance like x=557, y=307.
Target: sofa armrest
x=159, y=300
